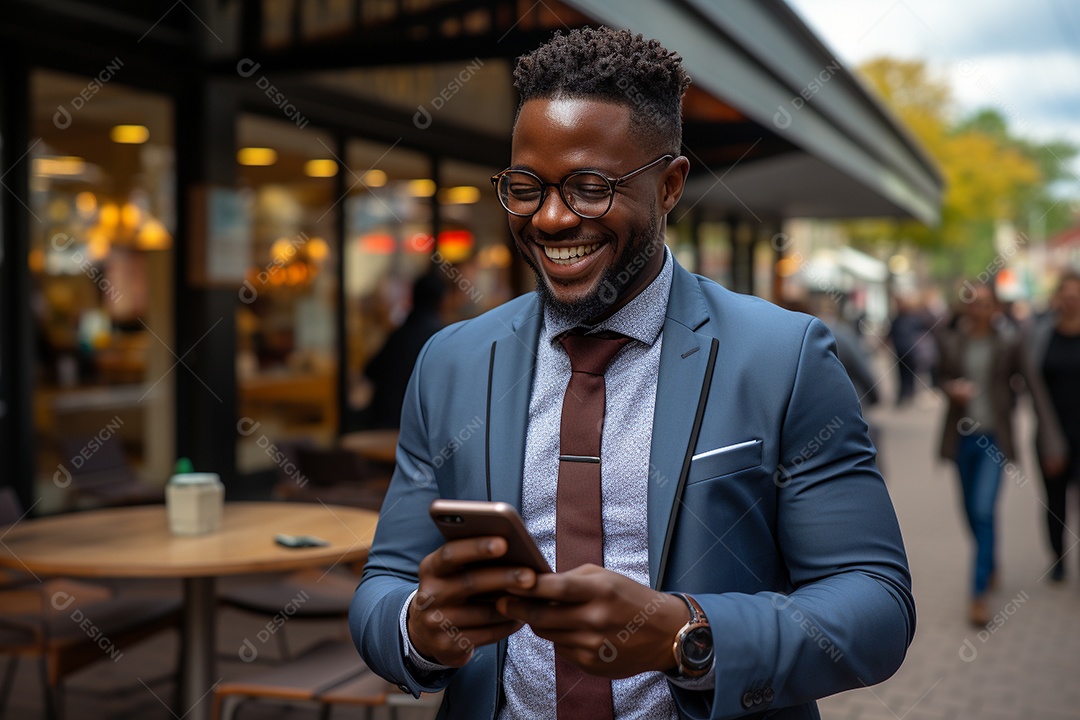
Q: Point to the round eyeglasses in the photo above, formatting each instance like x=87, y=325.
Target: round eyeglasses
x=586, y=192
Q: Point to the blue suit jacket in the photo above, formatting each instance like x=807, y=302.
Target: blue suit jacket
x=786, y=535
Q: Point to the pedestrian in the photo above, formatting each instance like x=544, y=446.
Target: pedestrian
x=980, y=358
x=1056, y=351
x=905, y=333
x=692, y=462
x=391, y=367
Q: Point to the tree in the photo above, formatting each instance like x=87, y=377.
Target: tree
x=1042, y=212
x=990, y=176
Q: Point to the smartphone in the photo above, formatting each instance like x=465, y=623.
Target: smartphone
x=299, y=541
x=457, y=519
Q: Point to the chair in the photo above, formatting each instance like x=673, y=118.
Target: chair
x=69, y=624
x=289, y=480
x=334, y=476
x=309, y=474
x=312, y=593
x=327, y=675
x=99, y=470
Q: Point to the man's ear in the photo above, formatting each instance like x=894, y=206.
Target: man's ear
x=672, y=183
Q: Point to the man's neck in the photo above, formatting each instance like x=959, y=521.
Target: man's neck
x=642, y=280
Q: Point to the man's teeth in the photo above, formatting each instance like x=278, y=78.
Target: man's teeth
x=570, y=253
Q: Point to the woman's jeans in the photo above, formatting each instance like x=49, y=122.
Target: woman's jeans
x=980, y=478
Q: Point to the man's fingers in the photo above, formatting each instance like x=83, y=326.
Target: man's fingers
x=541, y=615
x=467, y=617
x=470, y=583
x=456, y=554
x=456, y=649
x=574, y=586
x=491, y=633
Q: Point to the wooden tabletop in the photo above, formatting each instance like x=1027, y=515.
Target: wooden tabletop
x=136, y=542
x=379, y=445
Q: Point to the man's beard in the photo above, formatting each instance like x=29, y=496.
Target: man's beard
x=642, y=244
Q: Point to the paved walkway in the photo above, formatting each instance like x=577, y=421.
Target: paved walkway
x=1026, y=664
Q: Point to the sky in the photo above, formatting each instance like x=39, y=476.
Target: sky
x=1020, y=57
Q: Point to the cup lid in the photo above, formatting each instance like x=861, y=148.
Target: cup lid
x=203, y=478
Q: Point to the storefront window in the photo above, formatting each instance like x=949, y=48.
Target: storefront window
x=388, y=244
x=715, y=254
x=286, y=340
x=389, y=248
x=475, y=255
x=102, y=223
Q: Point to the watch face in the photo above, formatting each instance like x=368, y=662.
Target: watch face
x=697, y=647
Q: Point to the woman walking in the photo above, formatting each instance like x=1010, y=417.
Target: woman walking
x=979, y=360
x=1056, y=348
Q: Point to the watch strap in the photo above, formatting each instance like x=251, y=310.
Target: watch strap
x=697, y=620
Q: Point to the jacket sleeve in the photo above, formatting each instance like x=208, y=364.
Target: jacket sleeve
x=850, y=614
x=403, y=537
x=1050, y=438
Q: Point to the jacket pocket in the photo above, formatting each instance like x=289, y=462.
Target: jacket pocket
x=724, y=460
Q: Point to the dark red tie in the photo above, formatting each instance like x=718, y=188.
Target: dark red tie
x=579, y=526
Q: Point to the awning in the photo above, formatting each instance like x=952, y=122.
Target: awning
x=846, y=155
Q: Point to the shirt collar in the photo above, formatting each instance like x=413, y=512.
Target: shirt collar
x=641, y=319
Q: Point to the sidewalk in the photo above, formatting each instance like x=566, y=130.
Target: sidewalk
x=1025, y=664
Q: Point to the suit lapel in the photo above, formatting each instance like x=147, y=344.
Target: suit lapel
x=509, y=393
x=684, y=356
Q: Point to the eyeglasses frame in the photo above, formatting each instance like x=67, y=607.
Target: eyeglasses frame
x=613, y=183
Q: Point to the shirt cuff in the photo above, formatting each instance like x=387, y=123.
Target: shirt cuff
x=705, y=682
x=421, y=666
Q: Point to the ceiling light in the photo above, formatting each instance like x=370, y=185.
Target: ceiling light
x=65, y=166
x=460, y=195
x=421, y=188
x=256, y=156
x=374, y=178
x=317, y=249
x=86, y=202
x=282, y=250
x=321, y=168
x=130, y=134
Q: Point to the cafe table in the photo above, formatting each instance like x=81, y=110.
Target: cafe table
x=135, y=542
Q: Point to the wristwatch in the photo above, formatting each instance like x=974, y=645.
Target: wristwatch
x=693, y=646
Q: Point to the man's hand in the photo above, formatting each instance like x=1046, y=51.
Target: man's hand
x=960, y=390
x=445, y=621
x=1052, y=467
x=601, y=621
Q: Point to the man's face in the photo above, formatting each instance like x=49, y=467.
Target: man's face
x=617, y=254
x=983, y=307
x=1069, y=299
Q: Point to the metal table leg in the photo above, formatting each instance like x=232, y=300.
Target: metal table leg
x=197, y=675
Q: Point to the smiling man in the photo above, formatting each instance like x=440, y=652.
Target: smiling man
x=692, y=463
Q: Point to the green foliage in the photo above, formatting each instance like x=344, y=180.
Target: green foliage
x=991, y=176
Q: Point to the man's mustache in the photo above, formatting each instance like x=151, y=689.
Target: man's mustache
x=542, y=238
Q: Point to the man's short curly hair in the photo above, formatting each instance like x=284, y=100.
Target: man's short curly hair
x=615, y=66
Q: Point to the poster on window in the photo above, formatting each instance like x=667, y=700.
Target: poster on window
x=221, y=236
